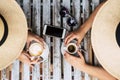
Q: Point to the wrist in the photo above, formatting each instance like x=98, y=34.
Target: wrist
x=83, y=67
x=82, y=30
x=85, y=27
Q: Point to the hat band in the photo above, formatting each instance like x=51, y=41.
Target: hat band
x=118, y=34
x=5, y=30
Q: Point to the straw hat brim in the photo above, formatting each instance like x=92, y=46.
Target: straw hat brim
x=17, y=32
x=103, y=37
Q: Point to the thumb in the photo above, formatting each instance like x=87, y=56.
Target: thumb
x=79, y=41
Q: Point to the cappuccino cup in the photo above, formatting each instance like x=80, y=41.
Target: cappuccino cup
x=35, y=50
x=72, y=48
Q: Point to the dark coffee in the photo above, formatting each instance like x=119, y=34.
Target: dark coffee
x=71, y=48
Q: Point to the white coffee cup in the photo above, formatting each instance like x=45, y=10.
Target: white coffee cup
x=38, y=51
x=35, y=50
x=72, y=48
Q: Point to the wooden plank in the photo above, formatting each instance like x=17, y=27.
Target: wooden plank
x=36, y=28
x=25, y=72
x=67, y=71
x=3, y=75
x=56, y=43
x=36, y=16
x=94, y=4
x=46, y=20
x=56, y=60
x=66, y=66
x=77, y=75
x=8, y=72
x=27, y=11
x=36, y=72
x=76, y=10
x=86, y=11
x=87, y=77
x=15, y=71
x=66, y=3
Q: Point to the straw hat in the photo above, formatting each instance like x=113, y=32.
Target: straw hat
x=103, y=36
x=13, y=32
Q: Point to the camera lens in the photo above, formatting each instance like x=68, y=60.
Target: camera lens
x=71, y=21
x=64, y=11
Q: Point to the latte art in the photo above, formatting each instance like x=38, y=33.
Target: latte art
x=35, y=49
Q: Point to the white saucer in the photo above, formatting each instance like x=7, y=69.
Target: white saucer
x=63, y=47
x=45, y=53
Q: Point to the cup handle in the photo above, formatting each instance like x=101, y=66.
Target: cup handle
x=40, y=59
x=35, y=57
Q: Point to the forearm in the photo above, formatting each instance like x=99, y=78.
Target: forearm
x=98, y=72
x=88, y=23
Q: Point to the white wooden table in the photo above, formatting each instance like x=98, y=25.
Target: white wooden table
x=38, y=13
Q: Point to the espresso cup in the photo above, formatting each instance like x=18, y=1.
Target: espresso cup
x=72, y=48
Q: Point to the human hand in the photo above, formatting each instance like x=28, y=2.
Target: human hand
x=26, y=58
x=78, y=35
x=76, y=62
x=32, y=36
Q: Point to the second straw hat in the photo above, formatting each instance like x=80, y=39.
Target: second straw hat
x=103, y=37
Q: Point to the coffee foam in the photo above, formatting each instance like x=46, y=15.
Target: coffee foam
x=35, y=49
